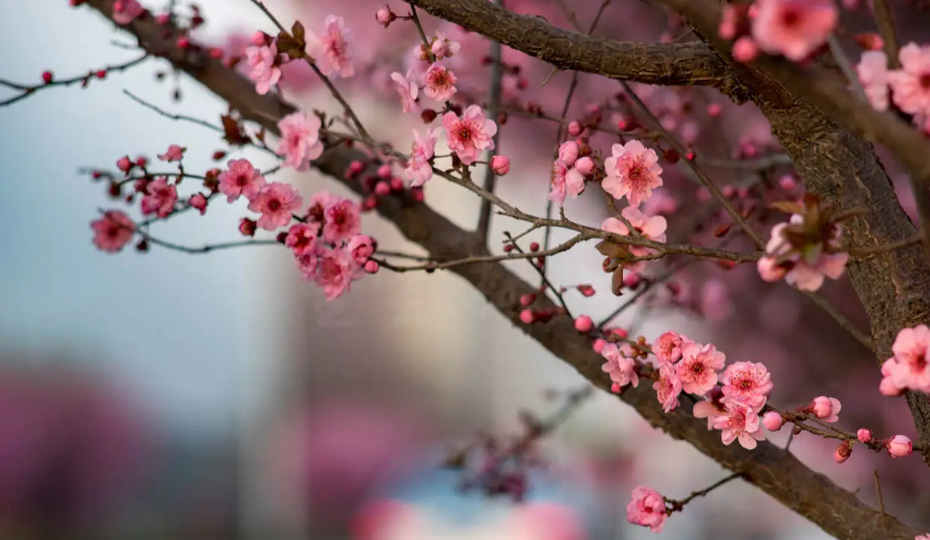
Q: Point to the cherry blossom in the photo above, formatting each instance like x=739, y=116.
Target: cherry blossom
x=361, y=247
x=633, y=172
x=899, y=446
x=160, y=198
x=301, y=238
x=667, y=387
x=620, y=364
x=795, y=28
x=667, y=347
x=262, y=69
x=806, y=270
x=419, y=169
x=910, y=85
x=277, y=203
x=113, y=231
x=342, y=220
x=500, y=165
x=826, y=408
x=772, y=421
x=739, y=422
x=126, y=11
x=910, y=366
x=439, y=82
x=240, y=178
x=173, y=153
x=198, y=201
x=333, y=49
x=698, y=367
x=300, y=140
x=710, y=408
x=647, y=509
x=565, y=181
x=874, y=76
x=443, y=47
x=407, y=90
x=650, y=228
x=748, y=383
x=469, y=135
x=568, y=153
x=335, y=270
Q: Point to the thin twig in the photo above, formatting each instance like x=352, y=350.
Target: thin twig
x=678, y=505
x=884, y=19
x=846, y=67
x=845, y=323
x=546, y=281
x=497, y=75
x=697, y=169
x=172, y=116
x=878, y=489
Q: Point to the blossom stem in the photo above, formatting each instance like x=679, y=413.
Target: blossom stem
x=677, y=506
x=490, y=178
x=885, y=22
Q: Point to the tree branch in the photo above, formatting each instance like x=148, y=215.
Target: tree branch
x=672, y=64
x=771, y=469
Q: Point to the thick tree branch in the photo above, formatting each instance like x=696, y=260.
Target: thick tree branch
x=673, y=64
x=771, y=469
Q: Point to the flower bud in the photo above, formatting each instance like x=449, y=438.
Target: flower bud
x=864, y=435
x=568, y=153
x=585, y=165
x=842, y=452
x=500, y=165
x=772, y=421
x=584, y=324
x=899, y=446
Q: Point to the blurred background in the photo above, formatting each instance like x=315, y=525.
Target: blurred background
x=165, y=395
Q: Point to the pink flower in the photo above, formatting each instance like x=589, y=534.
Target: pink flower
x=772, y=421
x=443, y=47
x=469, y=135
x=888, y=387
x=911, y=84
x=301, y=238
x=385, y=16
x=632, y=171
x=864, y=435
x=199, y=202
x=795, y=28
x=710, y=408
x=806, y=271
x=568, y=153
x=826, y=408
x=174, y=153
x=419, y=169
x=126, y=11
x=300, y=140
x=500, y=165
x=650, y=228
x=439, y=82
x=647, y=509
x=620, y=364
x=319, y=201
x=240, y=178
x=912, y=358
x=277, y=203
x=873, y=74
x=262, y=69
x=667, y=388
x=739, y=422
x=333, y=49
x=407, y=90
x=667, y=347
x=899, y=446
x=698, y=367
x=124, y=164
x=307, y=264
x=335, y=270
x=748, y=383
x=160, y=198
x=565, y=181
x=361, y=247
x=343, y=220
x=112, y=231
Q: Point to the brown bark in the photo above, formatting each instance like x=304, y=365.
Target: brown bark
x=771, y=469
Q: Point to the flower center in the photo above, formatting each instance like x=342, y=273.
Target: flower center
x=697, y=368
x=790, y=17
x=465, y=134
x=274, y=205
x=745, y=384
x=242, y=181
x=925, y=81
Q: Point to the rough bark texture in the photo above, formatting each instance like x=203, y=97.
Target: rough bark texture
x=771, y=469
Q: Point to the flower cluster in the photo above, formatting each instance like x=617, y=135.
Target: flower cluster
x=806, y=249
x=796, y=29
x=909, y=86
x=568, y=172
x=909, y=368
